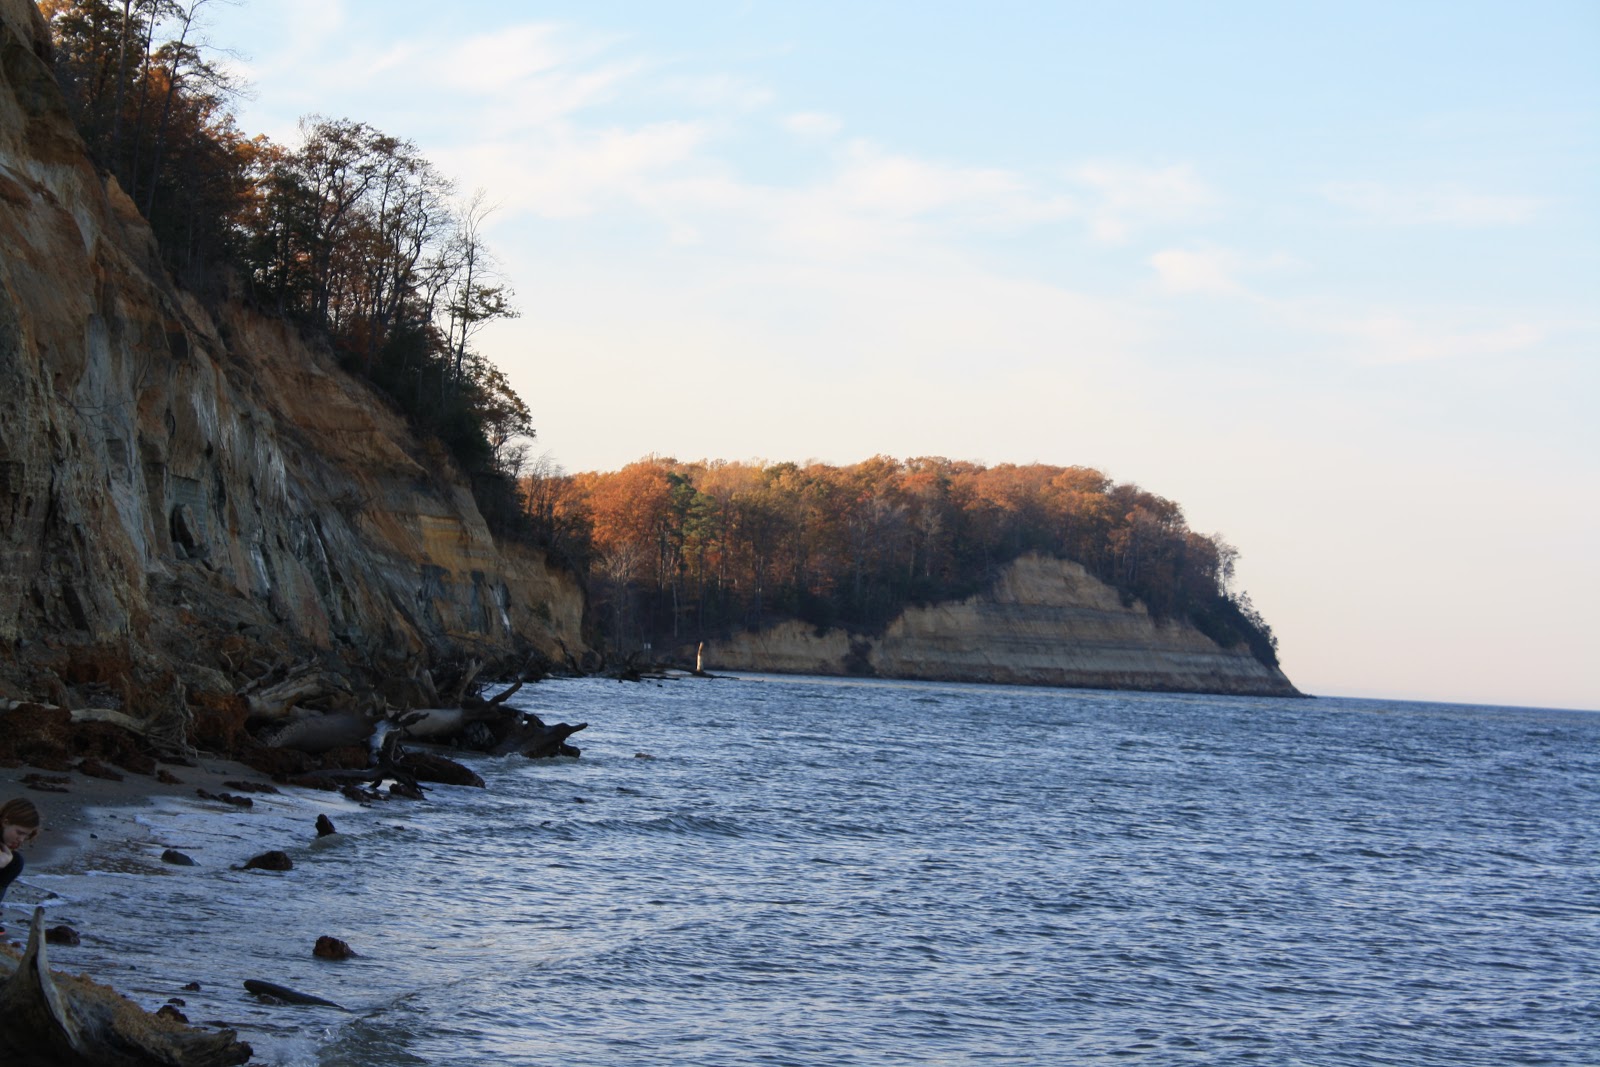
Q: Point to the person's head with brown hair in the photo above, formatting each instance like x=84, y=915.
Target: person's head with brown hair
x=19, y=823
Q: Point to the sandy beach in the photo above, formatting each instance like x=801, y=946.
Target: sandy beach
x=100, y=824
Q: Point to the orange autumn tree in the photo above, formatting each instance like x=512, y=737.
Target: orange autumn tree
x=687, y=550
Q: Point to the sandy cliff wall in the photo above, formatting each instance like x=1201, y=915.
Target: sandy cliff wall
x=164, y=469
x=1045, y=622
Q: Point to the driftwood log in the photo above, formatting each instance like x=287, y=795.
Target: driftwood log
x=490, y=726
x=466, y=720
x=285, y=995
x=140, y=727
x=275, y=699
x=536, y=740
x=52, y=1020
x=318, y=732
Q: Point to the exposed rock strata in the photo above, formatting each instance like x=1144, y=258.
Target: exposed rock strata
x=1044, y=622
x=168, y=468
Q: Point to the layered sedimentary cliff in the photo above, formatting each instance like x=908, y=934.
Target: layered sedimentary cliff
x=169, y=470
x=1044, y=622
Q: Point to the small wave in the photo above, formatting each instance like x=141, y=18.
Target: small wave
x=671, y=826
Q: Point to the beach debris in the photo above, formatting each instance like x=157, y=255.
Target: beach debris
x=270, y=861
x=226, y=798
x=279, y=764
x=252, y=787
x=325, y=826
x=406, y=790
x=166, y=777
x=331, y=948
x=57, y=1020
x=360, y=795
x=170, y=1011
x=176, y=858
x=46, y=783
x=62, y=935
x=427, y=767
x=310, y=781
x=95, y=769
x=285, y=995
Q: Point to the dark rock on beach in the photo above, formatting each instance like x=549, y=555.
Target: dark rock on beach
x=62, y=935
x=331, y=948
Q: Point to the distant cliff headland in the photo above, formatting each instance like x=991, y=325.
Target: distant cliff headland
x=922, y=568
x=243, y=425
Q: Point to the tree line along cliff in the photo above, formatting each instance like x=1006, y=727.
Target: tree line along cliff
x=353, y=234
x=195, y=494
x=683, y=551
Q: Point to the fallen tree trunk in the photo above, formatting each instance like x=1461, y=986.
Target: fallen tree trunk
x=274, y=991
x=430, y=724
x=110, y=715
x=318, y=732
x=50, y=1020
x=534, y=739
x=277, y=701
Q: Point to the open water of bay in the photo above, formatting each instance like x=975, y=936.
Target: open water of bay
x=767, y=871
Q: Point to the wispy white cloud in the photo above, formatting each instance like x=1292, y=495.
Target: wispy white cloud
x=1123, y=198
x=1387, y=338
x=813, y=124
x=1441, y=205
x=720, y=91
x=503, y=61
x=876, y=181
x=1189, y=270
x=570, y=172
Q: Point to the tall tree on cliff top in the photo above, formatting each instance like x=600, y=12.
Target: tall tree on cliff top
x=355, y=234
x=153, y=110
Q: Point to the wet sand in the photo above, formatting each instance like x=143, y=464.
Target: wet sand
x=97, y=824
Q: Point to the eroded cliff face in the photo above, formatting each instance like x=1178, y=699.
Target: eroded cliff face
x=1044, y=622
x=167, y=471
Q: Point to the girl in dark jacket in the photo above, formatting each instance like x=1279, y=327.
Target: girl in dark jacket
x=19, y=824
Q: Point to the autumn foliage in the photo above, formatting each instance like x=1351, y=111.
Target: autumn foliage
x=679, y=551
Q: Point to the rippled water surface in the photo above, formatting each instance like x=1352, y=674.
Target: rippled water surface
x=810, y=872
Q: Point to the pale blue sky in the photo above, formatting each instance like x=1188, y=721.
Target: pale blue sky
x=1326, y=275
